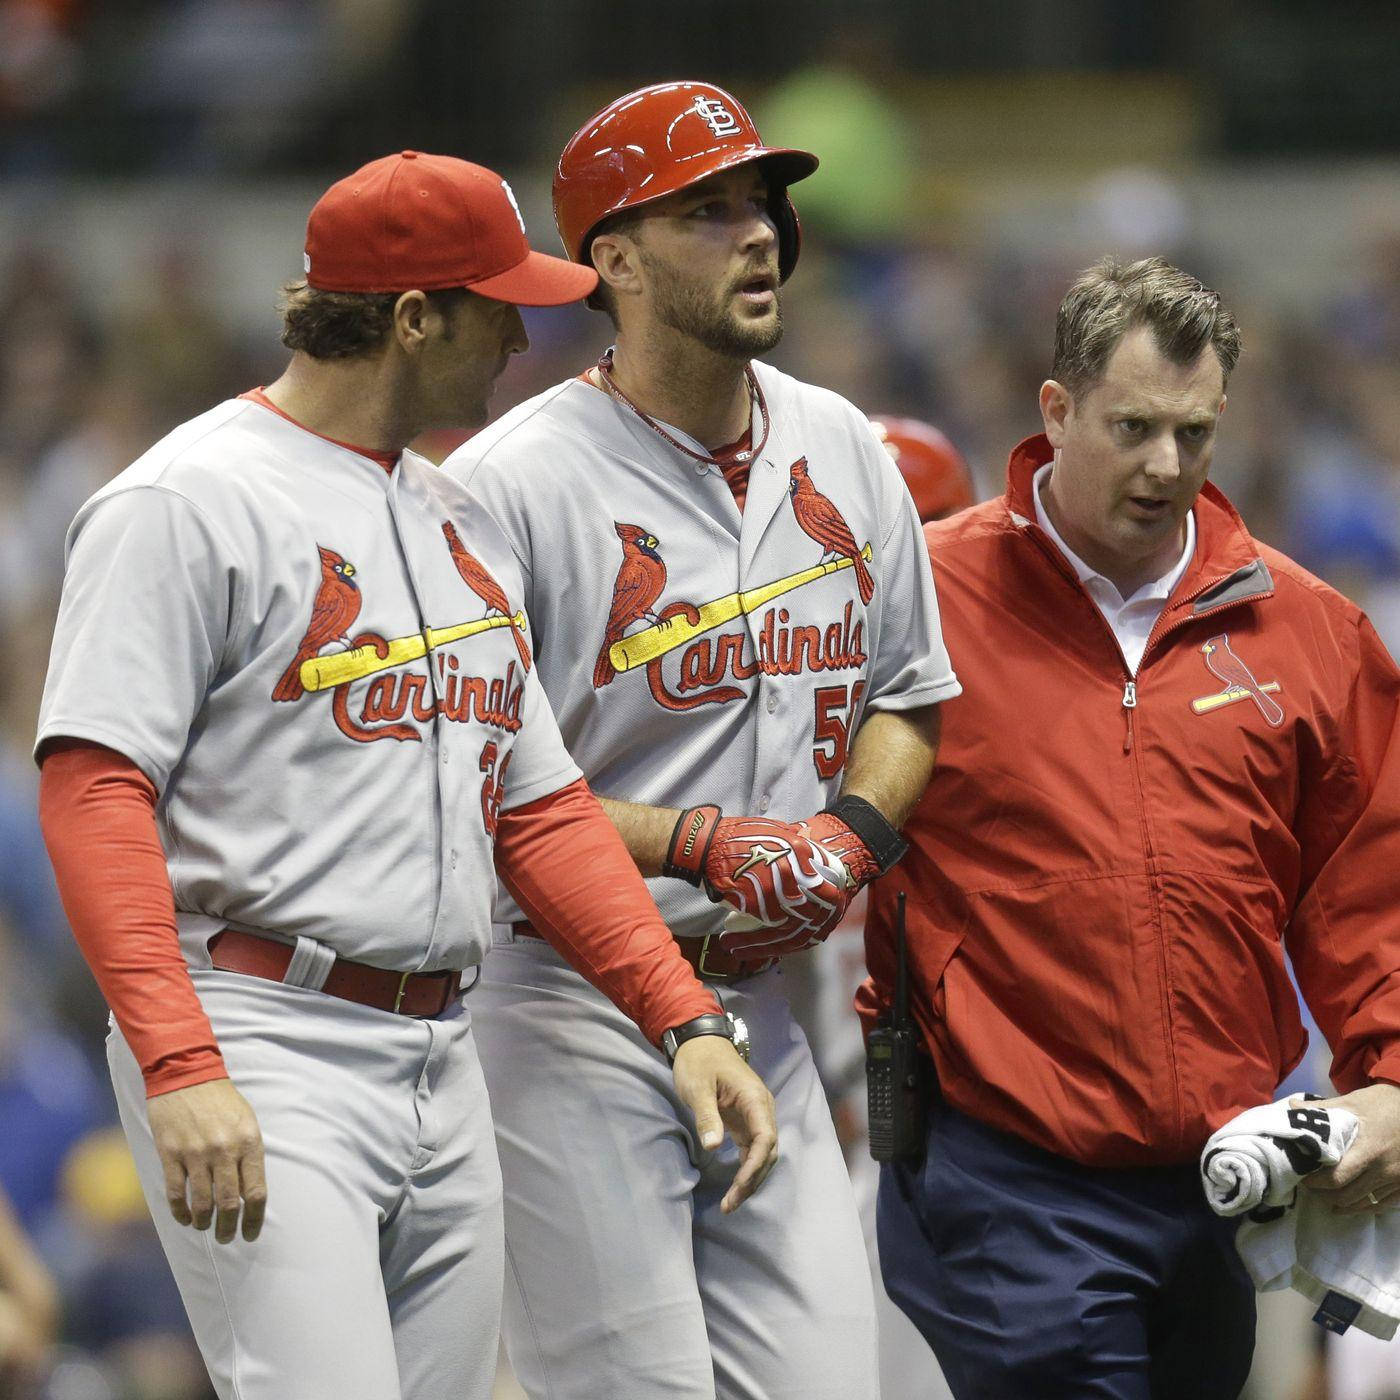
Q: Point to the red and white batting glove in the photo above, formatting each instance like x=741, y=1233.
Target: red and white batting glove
x=787, y=892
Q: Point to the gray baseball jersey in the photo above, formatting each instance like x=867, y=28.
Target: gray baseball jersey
x=694, y=654
x=251, y=601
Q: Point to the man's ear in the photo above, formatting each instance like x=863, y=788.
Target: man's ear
x=618, y=262
x=1056, y=405
x=410, y=313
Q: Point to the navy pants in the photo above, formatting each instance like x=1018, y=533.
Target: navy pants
x=1035, y=1278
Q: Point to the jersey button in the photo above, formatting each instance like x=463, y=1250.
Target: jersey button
x=772, y=703
x=763, y=803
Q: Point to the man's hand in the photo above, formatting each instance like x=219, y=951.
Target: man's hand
x=1368, y=1176
x=722, y=1091
x=211, y=1149
x=790, y=891
x=786, y=891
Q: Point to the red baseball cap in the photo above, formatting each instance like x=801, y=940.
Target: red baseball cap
x=417, y=222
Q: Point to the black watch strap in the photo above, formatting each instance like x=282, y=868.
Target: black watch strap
x=882, y=840
x=712, y=1023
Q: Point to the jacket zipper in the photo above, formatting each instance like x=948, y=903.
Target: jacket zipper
x=1154, y=892
x=1129, y=704
x=1154, y=896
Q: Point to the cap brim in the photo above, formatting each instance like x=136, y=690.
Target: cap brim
x=539, y=280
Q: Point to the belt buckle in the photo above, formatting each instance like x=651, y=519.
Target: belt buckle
x=700, y=962
x=733, y=973
x=403, y=987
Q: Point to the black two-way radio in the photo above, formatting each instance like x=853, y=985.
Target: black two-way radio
x=897, y=1073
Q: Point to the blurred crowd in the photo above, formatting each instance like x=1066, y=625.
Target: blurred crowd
x=896, y=315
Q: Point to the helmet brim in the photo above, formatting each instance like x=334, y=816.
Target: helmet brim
x=786, y=166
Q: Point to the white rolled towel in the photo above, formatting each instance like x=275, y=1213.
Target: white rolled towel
x=1259, y=1157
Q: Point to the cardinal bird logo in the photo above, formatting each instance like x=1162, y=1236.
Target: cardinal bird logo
x=1239, y=683
x=479, y=579
x=825, y=524
x=337, y=605
x=640, y=580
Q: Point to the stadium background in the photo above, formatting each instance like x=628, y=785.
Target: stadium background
x=158, y=157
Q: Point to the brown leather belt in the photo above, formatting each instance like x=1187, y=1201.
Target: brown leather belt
x=707, y=959
x=421, y=994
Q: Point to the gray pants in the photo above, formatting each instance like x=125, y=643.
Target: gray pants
x=378, y=1272
x=623, y=1278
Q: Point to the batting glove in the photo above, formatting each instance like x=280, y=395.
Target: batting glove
x=786, y=891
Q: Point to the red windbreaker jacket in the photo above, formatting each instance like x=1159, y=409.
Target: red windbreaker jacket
x=1103, y=872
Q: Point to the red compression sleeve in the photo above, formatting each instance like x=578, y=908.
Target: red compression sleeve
x=566, y=865
x=97, y=810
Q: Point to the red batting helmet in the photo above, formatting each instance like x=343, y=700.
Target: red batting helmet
x=661, y=139
x=934, y=470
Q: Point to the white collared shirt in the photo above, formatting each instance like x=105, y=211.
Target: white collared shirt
x=1132, y=619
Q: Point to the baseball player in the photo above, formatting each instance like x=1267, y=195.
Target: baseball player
x=292, y=718
x=736, y=626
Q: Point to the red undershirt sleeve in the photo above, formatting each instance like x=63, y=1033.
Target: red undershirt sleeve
x=563, y=861
x=97, y=810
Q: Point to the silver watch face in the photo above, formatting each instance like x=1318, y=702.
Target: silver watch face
x=738, y=1034
x=741, y=1035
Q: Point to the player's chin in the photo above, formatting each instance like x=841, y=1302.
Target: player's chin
x=757, y=329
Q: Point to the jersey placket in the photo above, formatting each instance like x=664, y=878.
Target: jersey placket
x=774, y=752
x=403, y=507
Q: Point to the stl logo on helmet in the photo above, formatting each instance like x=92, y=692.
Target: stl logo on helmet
x=717, y=116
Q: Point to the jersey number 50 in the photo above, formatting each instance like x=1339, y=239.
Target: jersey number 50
x=831, y=725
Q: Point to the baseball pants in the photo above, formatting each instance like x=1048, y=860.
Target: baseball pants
x=377, y=1275
x=623, y=1279
x=1035, y=1277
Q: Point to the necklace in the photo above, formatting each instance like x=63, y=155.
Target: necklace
x=756, y=399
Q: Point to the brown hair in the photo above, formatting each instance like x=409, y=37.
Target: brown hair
x=339, y=325
x=1110, y=299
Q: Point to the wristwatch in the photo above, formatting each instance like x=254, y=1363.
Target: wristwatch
x=723, y=1023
